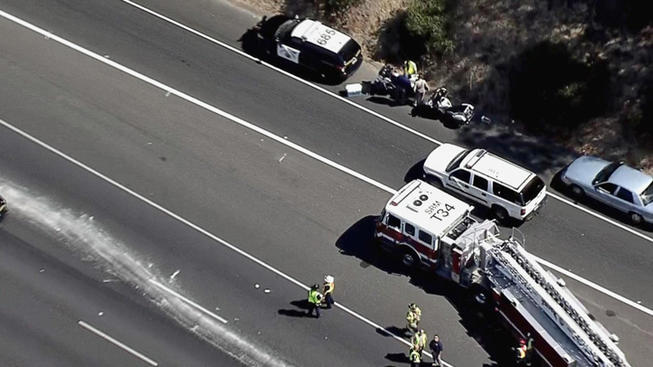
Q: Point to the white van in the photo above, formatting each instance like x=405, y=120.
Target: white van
x=418, y=220
x=507, y=189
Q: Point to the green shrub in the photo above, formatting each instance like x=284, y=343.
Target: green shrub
x=549, y=88
x=630, y=14
x=428, y=21
x=644, y=121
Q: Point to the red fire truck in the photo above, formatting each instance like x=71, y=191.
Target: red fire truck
x=428, y=227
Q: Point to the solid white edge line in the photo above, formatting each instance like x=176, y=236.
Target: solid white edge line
x=194, y=100
x=193, y=226
x=362, y=108
x=281, y=71
x=600, y=216
x=595, y=286
x=377, y=326
x=188, y=301
x=234, y=119
x=116, y=342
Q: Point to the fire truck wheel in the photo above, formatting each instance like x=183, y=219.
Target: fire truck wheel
x=409, y=259
x=481, y=297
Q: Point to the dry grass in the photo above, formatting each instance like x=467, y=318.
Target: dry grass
x=488, y=33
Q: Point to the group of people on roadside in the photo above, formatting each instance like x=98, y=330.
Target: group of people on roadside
x=317, y=300
x=413, y=80
x=418, y=339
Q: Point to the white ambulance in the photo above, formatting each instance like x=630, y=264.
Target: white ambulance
x=419, y=221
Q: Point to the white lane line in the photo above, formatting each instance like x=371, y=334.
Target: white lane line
x=377, y=326
x=188, y=301
x=296, y=78
x=198, y=229
x=217, y=111
x=595, y=286
x=362, y=108
x=116, y=342
x=193, y=100
x=600, y=216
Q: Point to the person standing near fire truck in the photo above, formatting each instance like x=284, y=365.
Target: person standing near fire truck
x=314, y=300
x=415, y=357
x=418, y=340
x=412, y=318
x=329, y=286
x=521, y=353
x=418, y=312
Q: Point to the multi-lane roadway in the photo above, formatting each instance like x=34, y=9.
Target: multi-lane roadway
x=171, y=198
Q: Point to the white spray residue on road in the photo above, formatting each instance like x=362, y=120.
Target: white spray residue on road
x=88, y=240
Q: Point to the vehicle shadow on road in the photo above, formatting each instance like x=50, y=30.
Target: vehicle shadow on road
x=397, y=357
x=539, y=155
x=384, y=100
x=415, y=172
x=423, y=112
x=301, y=309
x=482, y=325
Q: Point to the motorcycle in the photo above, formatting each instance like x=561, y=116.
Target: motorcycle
x=439, y=107
x=387, y=83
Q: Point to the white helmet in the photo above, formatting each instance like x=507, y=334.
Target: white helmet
x=328, y=279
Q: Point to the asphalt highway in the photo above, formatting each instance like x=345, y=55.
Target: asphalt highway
x=292, y=212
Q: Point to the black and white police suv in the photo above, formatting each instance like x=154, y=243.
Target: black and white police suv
x=310, y=44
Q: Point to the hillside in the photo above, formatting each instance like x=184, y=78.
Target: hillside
x=576, y=71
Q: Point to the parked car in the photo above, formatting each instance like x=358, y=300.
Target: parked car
x=612, y=183
x=509, y=190
x=310, y=44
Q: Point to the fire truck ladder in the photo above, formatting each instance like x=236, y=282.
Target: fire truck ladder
x=564, y=309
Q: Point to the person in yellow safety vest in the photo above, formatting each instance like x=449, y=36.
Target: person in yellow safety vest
x=329, y=286
x=411, y=321
x=521, y=352
x=410, y=68
x=416, y=310
x=418, y=341
x=314, y=301
x=421, y=340
x=415, y=357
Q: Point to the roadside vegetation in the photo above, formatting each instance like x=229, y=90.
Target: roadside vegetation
x=575, y=71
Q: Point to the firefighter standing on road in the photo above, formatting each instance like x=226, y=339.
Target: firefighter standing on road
x=417, y=344
x=418, y=341
x=329, y=286
x=314, y=300
x=521, y=353
x=415, y=357
x=417, y=311
x=411, y=319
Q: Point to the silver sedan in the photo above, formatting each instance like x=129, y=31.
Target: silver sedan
x=613, y=183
